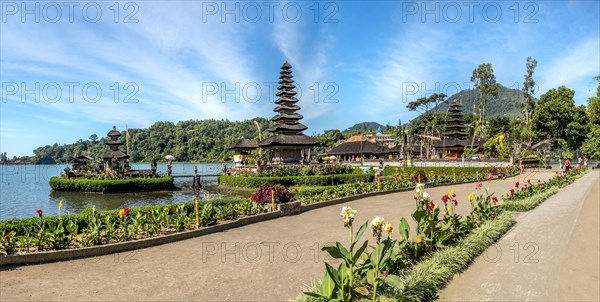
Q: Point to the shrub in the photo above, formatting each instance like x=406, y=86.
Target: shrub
x=279, y=192
x=288, y=181
x=111, y=185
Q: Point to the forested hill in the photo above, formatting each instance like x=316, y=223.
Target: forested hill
x=192, y=140
x=507, y=101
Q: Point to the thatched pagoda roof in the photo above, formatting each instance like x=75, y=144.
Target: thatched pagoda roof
x=243, y=144
x=361, y=147
x=292, y=140
x=114, y=154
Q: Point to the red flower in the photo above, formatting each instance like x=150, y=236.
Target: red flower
x=126, y=211
x=253, y=196
x=539, y=180
x=512, y=191
x=445, y=198
x=529, y=181
x=517, y=184
x=523, y=188
x=455, y=202
x=296, y=190
x=478, y=186
x=435, y=174
x=39, y=212
x=174, y=212
x=7, y=235
x=432, y=206
x=490, y=177
x=495, y=199
x=332, y=175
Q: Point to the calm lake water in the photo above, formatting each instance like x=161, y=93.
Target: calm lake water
x=25, y=188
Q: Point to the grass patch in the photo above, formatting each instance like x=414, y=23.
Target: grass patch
x=529, y=203
x=430, y=275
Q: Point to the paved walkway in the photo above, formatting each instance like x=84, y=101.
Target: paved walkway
x=267, y=261
x=552, y=254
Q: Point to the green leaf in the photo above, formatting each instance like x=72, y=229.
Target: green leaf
x=363, y=291
x=419, y=214
x=361, y=230
x=333, y=274
x=333, y=251
x=371, y=276
x=315, y=295
x=404, y=229
x=343, y=251
x=360, y=251
x=327, y=286
x=394, y=281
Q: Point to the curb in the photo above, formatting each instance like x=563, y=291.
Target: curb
x=99, y=250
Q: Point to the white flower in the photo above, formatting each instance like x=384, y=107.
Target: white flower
x=377, y=226
x=419, y=188
x=348, y=215
x=425, y=195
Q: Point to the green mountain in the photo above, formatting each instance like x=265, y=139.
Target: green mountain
x=364, y=126
x=508, y=101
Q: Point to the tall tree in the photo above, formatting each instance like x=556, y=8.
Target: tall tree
x=554, y=112
x=528, y=98
x=593, y=110
x=485, y=81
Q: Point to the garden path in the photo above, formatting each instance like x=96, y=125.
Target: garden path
x=552, y=254
x=267, y=261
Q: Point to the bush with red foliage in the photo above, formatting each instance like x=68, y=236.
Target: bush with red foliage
x=282, y=194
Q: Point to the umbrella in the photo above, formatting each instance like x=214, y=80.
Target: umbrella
x=170, y=157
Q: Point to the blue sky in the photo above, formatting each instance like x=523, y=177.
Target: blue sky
x=354, y=61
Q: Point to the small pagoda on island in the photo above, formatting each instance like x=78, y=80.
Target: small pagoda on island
x=288, y=144
x=115, y=158
x=455, y=137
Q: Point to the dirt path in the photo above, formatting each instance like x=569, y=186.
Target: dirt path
x=268, y=261
x=552, y=254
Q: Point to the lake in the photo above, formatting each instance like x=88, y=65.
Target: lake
x=25, y=188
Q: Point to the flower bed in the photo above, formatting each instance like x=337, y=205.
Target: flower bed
x=449, y=174
x=415, y=266
x=315, y=180
x=58, y=183
x=92, y=227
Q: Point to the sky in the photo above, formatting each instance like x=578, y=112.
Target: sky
x=72, y=69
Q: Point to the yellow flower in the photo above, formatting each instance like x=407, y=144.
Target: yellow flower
x=166, y=209
x=472, y=196
x=194, y=198
x=93, y=209
x=388, y=228
x=121, y=212
x=451, y=193
x=417, y=239
x=60, y=204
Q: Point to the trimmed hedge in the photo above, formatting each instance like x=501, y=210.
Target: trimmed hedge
x=22, y=226
x=112, y=185
x=316, y=180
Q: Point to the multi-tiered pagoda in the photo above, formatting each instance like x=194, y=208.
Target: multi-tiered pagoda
x=114, y=157
x=455, y=137
x=288, y=144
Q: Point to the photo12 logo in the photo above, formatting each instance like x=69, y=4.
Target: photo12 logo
x=254, y=92
x=269, y=11
x=53, y=92
x=470, y=11
x=70, y=11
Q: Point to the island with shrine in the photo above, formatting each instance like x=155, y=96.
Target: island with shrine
x=112, y=173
